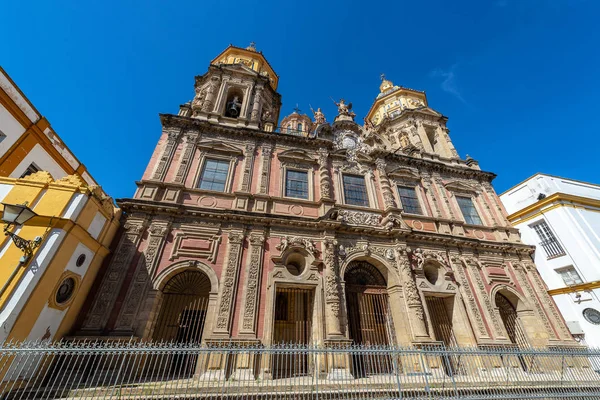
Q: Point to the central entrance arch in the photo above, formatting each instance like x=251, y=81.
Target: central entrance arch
x=369, y=317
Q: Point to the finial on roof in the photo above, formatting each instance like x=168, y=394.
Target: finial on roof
x=296, y=109
x=252, y=46
x=382, y=77
x=385, y=84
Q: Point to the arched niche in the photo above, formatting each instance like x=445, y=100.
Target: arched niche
x=197, y=286
x=234, y=103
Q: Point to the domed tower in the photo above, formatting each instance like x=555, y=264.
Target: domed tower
x=403, y=116
x=239, y=89
x=296, y=124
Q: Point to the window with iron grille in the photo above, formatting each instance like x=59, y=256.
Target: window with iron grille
x=32, y=169
x=296, y=184
x=355, y=190
x=409, y=200
x=547, y=240
x=468, y=210
x=569, y=275
x=214, y=175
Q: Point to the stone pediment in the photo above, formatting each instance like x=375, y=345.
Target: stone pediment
x=296, y=156
x=458, y=186
x=404, y=173
x=220, y=147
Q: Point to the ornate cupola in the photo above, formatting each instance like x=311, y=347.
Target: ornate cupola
x=239, y=89
x=297, y=124
x=403, y=118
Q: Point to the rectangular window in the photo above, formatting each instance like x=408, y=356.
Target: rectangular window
x=296, y=184
x=32, y=169
x=214, y=175
x=355, y=190
x=468, y=210
x=409, y=200
x=547, y=240
x=570, y=276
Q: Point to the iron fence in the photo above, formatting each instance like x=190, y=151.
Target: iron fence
x=117, y=370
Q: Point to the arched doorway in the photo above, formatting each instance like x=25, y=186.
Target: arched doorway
x=183, y=309
x=512, y=324
x=369, y=318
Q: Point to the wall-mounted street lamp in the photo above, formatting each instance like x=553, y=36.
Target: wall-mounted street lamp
x=18, y=214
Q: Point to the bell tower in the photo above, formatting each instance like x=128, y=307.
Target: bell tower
x=404, y=118
x=239, y=89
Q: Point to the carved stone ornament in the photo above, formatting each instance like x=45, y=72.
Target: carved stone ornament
x=420, y=257
x=295, y=241
x=413, y=300
x=359, y=218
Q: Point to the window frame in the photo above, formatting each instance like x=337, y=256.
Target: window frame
x=229, y=180
x=25, y=174
x=548, y=242
x=415, y=188
x=472, y=199
x=308, y=183
x=569, y=269
x=367, y=192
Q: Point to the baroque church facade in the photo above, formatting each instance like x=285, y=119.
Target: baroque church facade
x=315, y=232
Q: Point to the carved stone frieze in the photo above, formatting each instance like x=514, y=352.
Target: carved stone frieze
x=296, y=241
x=420, y=257
x=194, y=240
x=359, y=218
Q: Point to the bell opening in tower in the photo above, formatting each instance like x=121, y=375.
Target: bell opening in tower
x=233, y=105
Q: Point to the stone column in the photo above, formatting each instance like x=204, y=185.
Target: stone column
x=252, y=286
x=167, y=154
x=229, y=279
x=474, y=267
x=416, y=314
x=384, y=182
x=255, y=114
x=112, y=281
x=186, y=157
x=466, y=292
x=332, y=289
x=145, y=268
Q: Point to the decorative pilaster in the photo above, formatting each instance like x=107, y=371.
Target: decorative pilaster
x=332, y=292
x=324, y=175
x=440, y=186
x=255, y=114
x=426, y=180
x=416, y=314
x=384, y=182
x=265, y=169
x=542, y=291
x=473, y=267
x=252, y=286
x=145, y=268
x=467, y=293
x=113, y=280
x=248, y=165
x=167, y=154
x=489, y=190
x=229, y=278
x=186, y=158
x=211, y=94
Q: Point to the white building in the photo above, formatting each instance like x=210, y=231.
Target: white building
x=562, y=218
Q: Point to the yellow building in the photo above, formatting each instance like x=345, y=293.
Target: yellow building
x=27, y=141
x=43, y=287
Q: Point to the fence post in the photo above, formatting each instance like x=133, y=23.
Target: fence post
x=396, y=354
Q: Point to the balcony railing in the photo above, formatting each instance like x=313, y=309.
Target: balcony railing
x=552, y=248
x=93, y=370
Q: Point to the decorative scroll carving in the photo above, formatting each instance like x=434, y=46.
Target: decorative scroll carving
x=324, y=175
x=248, y=165
x=167, y=154
x=111, y=284
x=290, y=241
x=254, y=272
x=421, y=256
x=528, y=288
x=473, y=266
x=467, y=293
x=229, y=279
x=359, y=218
x=186, y=157
x=384, y=182
x=145, y=268
x=265, y=170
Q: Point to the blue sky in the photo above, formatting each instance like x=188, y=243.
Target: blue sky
x=518, y=79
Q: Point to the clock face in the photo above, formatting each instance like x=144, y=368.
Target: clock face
x=348, y=142
x=592, y=315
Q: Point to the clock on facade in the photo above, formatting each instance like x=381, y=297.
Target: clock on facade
x=592, y=315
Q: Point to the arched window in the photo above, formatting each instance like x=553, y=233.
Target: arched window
x=233, y=105
x=299, y=127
